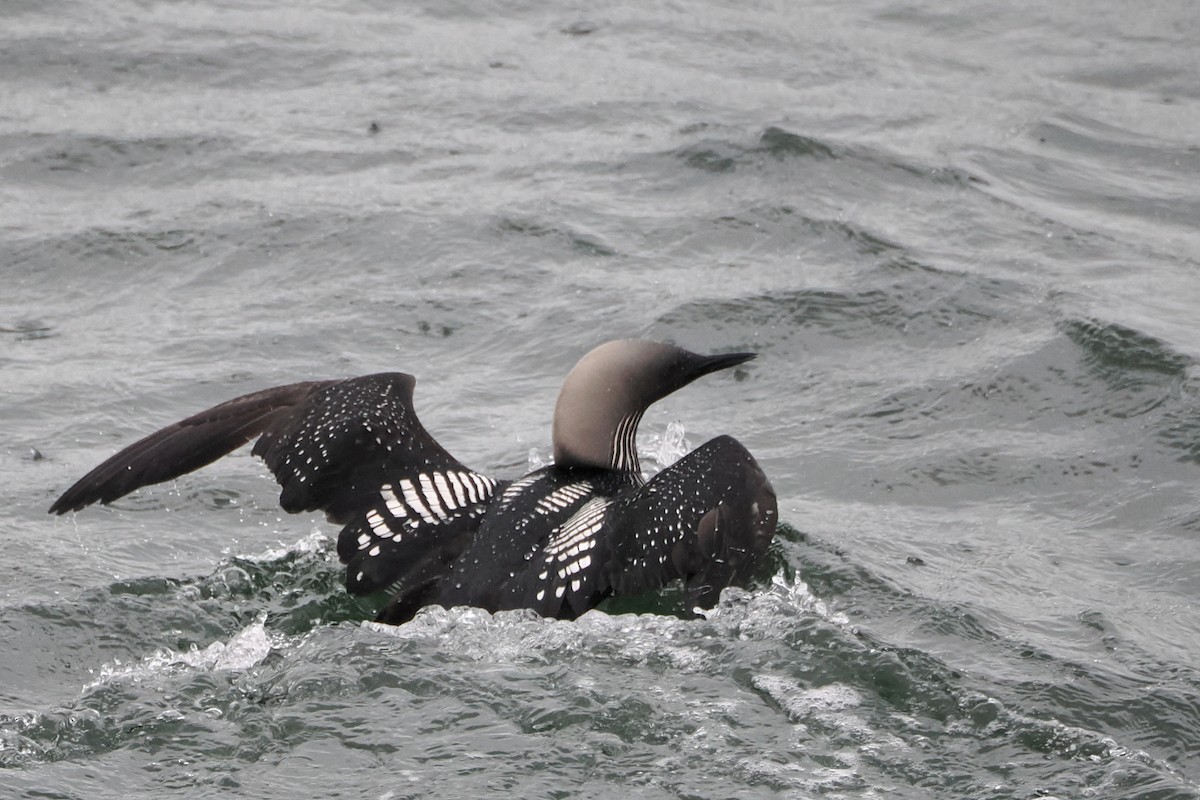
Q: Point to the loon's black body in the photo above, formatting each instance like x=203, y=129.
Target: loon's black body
x=427, y=529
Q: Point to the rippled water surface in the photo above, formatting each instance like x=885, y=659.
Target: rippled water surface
x=961, y=237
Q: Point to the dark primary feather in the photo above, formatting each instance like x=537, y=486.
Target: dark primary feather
x=185, y=446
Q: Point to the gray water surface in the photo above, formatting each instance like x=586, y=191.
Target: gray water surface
x=962, y=239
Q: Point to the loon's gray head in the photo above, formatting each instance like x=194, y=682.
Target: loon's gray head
x=605, y=394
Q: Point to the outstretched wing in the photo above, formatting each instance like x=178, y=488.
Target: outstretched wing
x=186, y=446
x=357, y=451
x=353, y=448
x=346, y=440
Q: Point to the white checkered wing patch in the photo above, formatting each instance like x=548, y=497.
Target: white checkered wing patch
x=570, y=567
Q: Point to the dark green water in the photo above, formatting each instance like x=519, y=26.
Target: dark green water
x=962, y=239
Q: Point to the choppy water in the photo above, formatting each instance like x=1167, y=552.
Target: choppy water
x=962, y=238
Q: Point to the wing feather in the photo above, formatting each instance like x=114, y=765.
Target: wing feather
x=707, y=519
x=353, y=448
x=186, y=445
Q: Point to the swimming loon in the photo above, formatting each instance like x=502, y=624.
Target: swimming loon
x=429, y=530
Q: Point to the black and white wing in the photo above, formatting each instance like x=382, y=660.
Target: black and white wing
x=353, y=448
x=357, y=451
x=560, y=541
x=500, y=569
x=706, y=520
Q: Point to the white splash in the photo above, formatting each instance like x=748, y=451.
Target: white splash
x=802, y=704
x=316, y=542
x=246, y=648
x=522, y=636
x=537, y=460
x=665, y=448
x=780, y=601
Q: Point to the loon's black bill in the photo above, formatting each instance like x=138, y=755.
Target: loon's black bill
x=722, y=361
